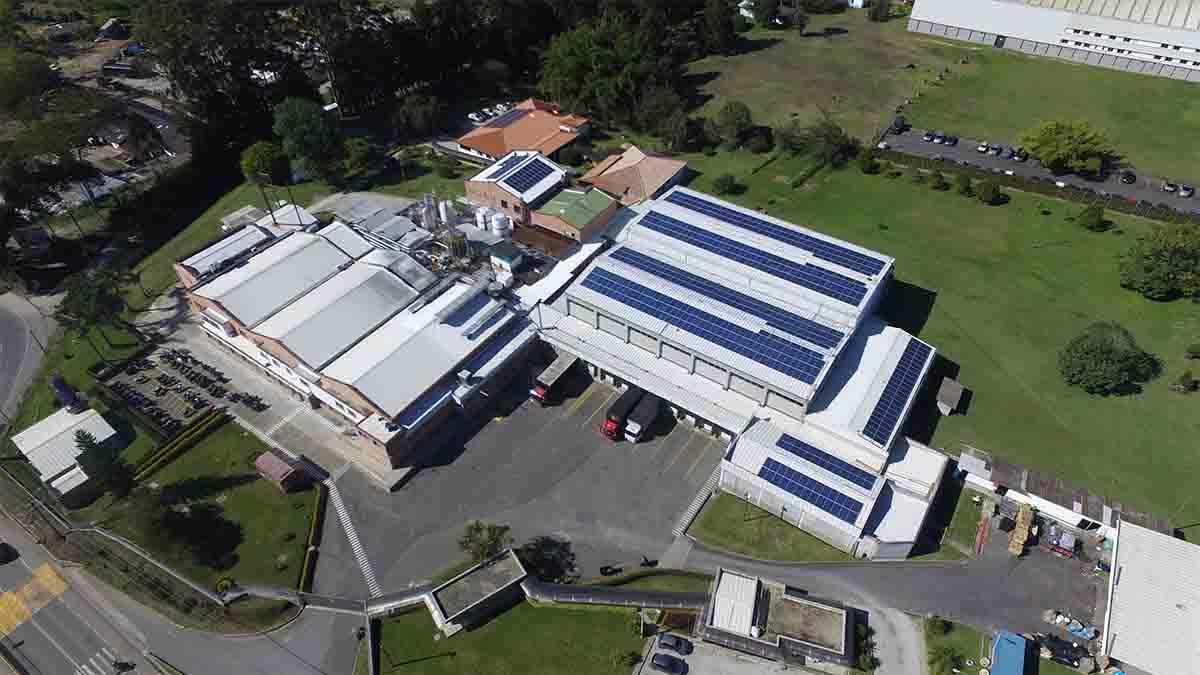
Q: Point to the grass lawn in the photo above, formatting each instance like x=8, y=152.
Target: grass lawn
x=220, y=469
x=524, y=640
x=731, y=524
x=1048, y=667
x=999, y=291
x=964, y=523
x=968, y=642
x=688, y=582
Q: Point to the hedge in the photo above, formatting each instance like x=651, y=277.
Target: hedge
x=1112, y=201
x=314, y=536
x=182, y=442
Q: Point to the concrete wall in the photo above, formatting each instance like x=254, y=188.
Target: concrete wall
x=493, y=196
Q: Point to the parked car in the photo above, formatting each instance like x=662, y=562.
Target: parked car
x=665, y=663
x=951, y=140
x=9, y=554
x=939, y=137
x=1169, y=187
x=675, y=643
x=927, y=137
x=883, y=145
x=899, y=125
x=1128, y=177
x=1007, y=153
x=983, y=147
x=995, y=149
x=1186, y=191
x=1019, y=155
x=476, y=118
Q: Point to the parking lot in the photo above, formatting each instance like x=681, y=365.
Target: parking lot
x=544, y=471
x=709, y=659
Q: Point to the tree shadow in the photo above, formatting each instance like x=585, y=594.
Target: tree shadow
x=549, y=559
x=748, y=45
x=829, y=31
x=190, y=489
x=907, y=306
x=924, y=417
x=691, y=85
x=206, y=533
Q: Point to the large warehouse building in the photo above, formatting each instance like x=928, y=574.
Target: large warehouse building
x=765, y=332
x=1154, y=37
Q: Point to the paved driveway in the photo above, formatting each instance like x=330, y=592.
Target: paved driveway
x=545, y=471
x=709, y=659
x=1145, y=188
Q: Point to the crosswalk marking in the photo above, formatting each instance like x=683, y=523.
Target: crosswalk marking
x=285, y=419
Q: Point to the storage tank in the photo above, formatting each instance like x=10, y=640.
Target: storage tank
x=482, y=217
x=447, y=213
x=500, y=224
x=429, y=216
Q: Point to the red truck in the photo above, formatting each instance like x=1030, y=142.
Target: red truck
x=543, y=387
x=614, y=419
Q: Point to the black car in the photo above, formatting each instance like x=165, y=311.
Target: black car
x=665, y=663
x=928, y=137
x=898, y=125
x=9, y=554
x=951, y=140
x=1128, y=177
x=675, y=643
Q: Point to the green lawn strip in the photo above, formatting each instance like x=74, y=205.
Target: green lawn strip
x=730, y=524
x=362, y=664
x=968, y=643
x=964, y=523
x=1012, y=285
x=660, y=580
x=524, y=640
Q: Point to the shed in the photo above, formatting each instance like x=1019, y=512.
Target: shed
x=285, y=473
x=949, y=396
x=50, y=445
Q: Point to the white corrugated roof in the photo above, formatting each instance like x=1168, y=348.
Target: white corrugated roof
x=1136, y=19
x=50, y=444
x=236, y=244
x=70, y=480
x=338, y=313
x=350, y=242
x=275, y=277
x=1154, y=606
x=734, y=602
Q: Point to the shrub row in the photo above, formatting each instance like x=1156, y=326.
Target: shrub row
x=314, y=536
x=185, y=440
x=1115, y=202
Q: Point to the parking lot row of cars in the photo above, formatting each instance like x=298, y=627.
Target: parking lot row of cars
x=482, y=115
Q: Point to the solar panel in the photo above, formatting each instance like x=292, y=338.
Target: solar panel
x=529, y=175
x=833, y=465
x=812, y=491
x=819, y=279
x=504, y=166
x=825, y=250
x=886, y=415
x=506, y=119
x=805, y=329
x=772, y=351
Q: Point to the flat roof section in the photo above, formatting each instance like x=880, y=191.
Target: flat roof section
x=213, y=256
x=478, y=584
x=734, y=602
x=796, y=618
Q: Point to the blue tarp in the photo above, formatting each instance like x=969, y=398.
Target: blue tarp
x=1008, y=655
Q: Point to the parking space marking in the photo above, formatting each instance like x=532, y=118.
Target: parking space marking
x=603, y=405
x=582, y=397
x=699, y=458
x=681, y=452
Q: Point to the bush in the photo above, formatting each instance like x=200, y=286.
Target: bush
x=1185, y=383
x=1092, y=218
x=225, y=584
x=571, y=155
x=760, y=142
x=938, y=182
x=1164, y=264
x=445, y=169
x=989, y=193
x=868, y=164
x=1193, y=351
x=725, y=184
x=741, y=24
x=962, y=185
x=918, y=177
x=1106, y=360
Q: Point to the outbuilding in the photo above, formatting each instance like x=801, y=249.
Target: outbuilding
x=285, y=473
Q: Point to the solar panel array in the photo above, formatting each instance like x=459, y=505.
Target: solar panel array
x=529, y=175
x=886, y=415
x=805, y=329
x=819, y=279
x=771, y=351
x=812, y=491
x=833, y=465
x=505, y=165
x=506, y=119
x=825, y=250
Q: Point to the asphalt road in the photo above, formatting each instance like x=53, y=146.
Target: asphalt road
x=1146, y=187
x=14, y=342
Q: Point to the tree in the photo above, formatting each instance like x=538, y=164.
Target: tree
x=734, y=120
x=760, y=141
x=944, y=660
x=868, y=164
x=938, y=182
x=825, y=142
x=677, y=131
x=358, y=155
x=23, y=78
x=102, y=463
x=1164, y=264
x=764, y=11
x=264, y=163
x=989, y=193
x=1105, y=360
x=962, y=184
x=1092, y=218
x=481, y=540
x=657, y=103
x=309, y=136
x=725, y=184
x=142, y=138
x=1065, y=147
x=720, y=37
x=418, y=116
x=880, y=10
x=11, y=31
x=91, y=300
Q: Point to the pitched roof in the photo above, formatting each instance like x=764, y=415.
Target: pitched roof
x=531, y=125
x=577, y=208
x=634, y=175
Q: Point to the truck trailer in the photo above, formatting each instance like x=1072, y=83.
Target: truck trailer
x=641, y=418
x=544, y=391
x=614, y=419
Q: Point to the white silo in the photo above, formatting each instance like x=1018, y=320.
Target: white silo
x=500, y=224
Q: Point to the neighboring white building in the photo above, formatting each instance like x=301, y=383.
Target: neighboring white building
x=1153, y=37
x=50, y=446
x=765, y=332
x=1153, y=618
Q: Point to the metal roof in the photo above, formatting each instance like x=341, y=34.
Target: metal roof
x=402, y=265
x=338, y=313
x=345, y=238
x=271, y=279
x=507, y=168
x=213, y=256
x=734, y=602
x=73, y=478
x=50, y=444
x=1153, y=618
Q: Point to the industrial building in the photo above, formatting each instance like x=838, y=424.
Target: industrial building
x=1152, y=37
x=765, y=333
x=344, y=317
x=51, y=449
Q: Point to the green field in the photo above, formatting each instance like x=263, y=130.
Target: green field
x=964, y=523
x=731, y=524
x=524, y=640
x=969, y=643
x=861, y=76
